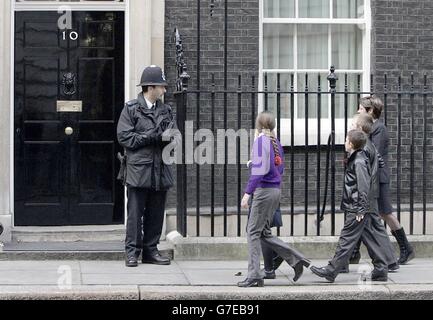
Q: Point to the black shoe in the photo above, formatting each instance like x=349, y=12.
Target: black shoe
x=299, y=268
x=406, y=251
x=269, y=274
x=356, y=256
x=323, y=273
x=379, y=275
x=247, y=283
x=131, y=262
x=393, y=267
x=156, y=258
x=345, y=269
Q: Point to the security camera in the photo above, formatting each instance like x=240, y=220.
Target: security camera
x=1, y=229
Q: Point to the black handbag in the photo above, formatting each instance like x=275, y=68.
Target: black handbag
x=277, y=220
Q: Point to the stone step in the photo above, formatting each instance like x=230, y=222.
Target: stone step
x=219, y=248
x=79, y=250
x=69, y=234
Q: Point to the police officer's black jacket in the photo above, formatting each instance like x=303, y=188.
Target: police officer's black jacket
x=358, y=194
x=137, y=125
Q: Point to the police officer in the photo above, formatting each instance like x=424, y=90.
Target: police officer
x=148, y=178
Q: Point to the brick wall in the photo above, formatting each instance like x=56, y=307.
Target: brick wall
x=402, y=42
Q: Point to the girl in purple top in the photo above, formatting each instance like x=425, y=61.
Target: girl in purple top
x=265, y=180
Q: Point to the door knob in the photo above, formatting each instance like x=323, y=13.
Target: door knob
x=69, y=131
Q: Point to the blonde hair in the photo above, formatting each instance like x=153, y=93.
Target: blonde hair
x=364, y=121
x=265, y=123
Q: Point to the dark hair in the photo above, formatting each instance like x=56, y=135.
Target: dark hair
x=146, y=88
x=372, y=103
x=377, y=106
x=364, y=122
x=357, y=138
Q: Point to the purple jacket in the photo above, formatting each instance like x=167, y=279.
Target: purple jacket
x=264, y=172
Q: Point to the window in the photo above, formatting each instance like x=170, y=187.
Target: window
x=300, y=37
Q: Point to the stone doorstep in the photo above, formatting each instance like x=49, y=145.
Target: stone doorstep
x=79, y=250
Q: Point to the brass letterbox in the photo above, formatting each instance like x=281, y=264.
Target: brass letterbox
x=69, y=106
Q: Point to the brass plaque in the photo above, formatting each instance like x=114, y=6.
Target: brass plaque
x=69, y=106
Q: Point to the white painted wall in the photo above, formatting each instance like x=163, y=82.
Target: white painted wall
x=5, y=118
x=145, y=41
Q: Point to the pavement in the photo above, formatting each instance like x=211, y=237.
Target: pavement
x=200, y=280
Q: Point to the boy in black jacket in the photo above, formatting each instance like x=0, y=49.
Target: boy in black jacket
x=380, y=138
x=358, y=203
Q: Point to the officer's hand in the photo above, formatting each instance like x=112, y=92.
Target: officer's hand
x=359, y=217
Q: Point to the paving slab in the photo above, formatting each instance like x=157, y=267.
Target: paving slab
x=198, y=277
x=37, y=265
x=46, y=277
x=201, y=280
x=134, y=279
x=212, y=265
x=118, y=267
x=413, y=276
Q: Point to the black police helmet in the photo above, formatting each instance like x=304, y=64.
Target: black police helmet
x=152, y=76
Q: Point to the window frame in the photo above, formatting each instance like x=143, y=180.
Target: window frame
x=365, y=23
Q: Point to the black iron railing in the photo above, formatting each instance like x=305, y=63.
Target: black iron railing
x=216, y=185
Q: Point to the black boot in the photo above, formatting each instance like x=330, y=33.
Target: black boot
x=406, y=251
x=356, y=254
x=299, y=268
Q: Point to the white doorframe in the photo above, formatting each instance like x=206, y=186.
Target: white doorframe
x=54, y=6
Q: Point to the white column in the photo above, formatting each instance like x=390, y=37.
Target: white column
x=146, y=39
x=5, y=119
x=158, y=32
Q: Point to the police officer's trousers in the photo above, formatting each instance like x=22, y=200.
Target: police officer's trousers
x=352, y=232
x=146, y=209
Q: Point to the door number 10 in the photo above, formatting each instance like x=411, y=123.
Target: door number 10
x=73, y=35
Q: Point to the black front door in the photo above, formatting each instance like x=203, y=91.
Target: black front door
x=69, y=92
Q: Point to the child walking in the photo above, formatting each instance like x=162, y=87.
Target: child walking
x=264, y=182
x=364, y=122
x=380, y=138
x=358, y=204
